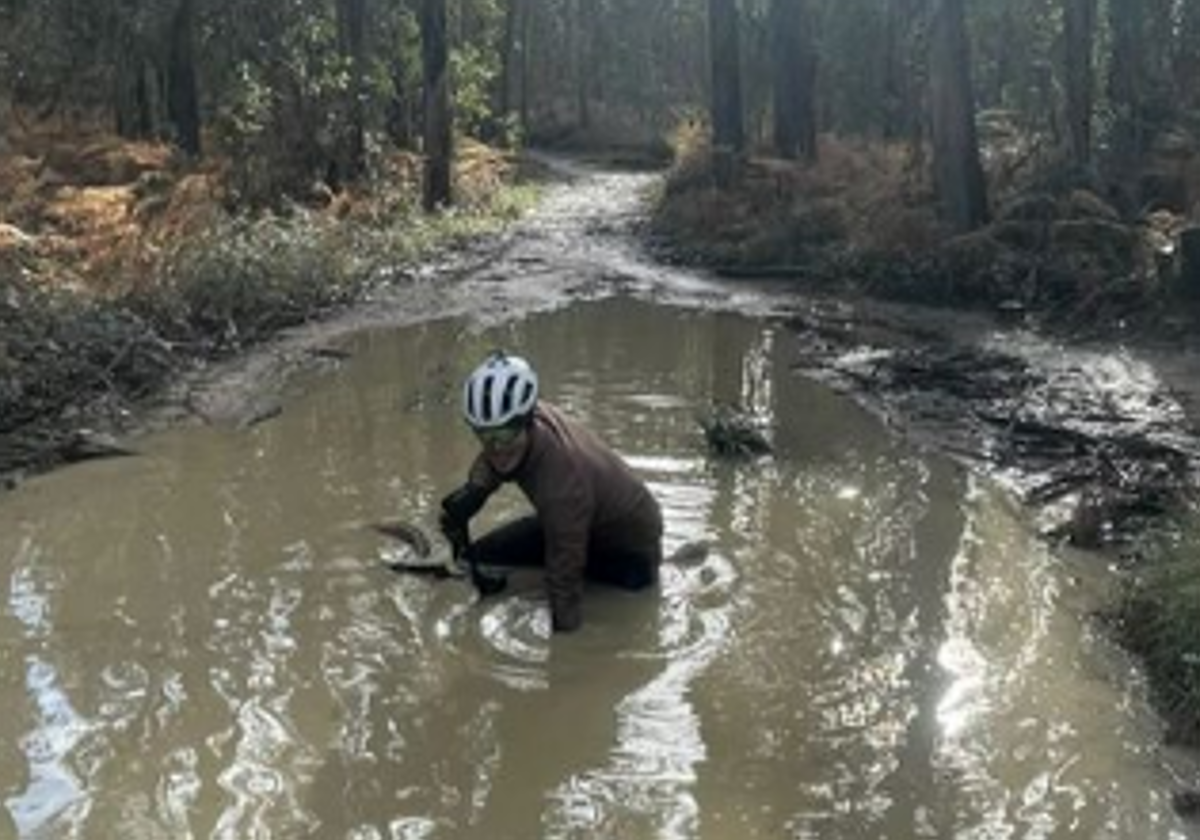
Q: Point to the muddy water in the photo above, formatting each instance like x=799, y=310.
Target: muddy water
x=204, y=642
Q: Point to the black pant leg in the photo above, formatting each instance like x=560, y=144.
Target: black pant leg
x=622, y=568
x=519, y=543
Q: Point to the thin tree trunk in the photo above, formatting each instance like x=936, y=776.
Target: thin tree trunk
x=439, y=129
x=907, y=72
x=526, y=29
x=1079, y=18
x=183, y=100
x=958, y=173
x=1189, y=248
x=895, y=70
x=582, y=63
x=727, y=120
x=1187, y=54
x=351, y=155
x=794, y=68
x=133, y=97
x=1125, y=84
x=508, y=56
x=401, y=104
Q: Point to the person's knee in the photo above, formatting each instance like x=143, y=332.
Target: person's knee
x=625, y=573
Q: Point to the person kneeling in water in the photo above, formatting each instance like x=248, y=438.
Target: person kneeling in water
x=594, y=519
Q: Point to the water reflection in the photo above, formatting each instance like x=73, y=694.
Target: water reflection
x=204, y=642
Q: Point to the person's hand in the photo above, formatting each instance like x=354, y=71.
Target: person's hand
x=487, y=583
x=457, y=533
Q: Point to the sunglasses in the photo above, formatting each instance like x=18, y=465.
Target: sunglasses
x=499, y=438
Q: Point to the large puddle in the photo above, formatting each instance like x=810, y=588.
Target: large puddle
x=204, y=642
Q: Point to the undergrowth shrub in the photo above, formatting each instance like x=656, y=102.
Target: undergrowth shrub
x=865, y=197
x=62, y=350
x=1159, y=619
x=243, y=279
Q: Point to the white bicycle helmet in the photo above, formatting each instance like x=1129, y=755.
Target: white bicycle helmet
x=502, y=389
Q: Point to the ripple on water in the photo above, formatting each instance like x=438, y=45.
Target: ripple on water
x=507, y=638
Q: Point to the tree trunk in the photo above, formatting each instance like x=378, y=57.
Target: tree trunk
x=439, y=128
x=895, y=71
x=1079, y=25
x=1125, y=84
x=183, y=100
x=907, y=69
x=727, y=120
x=1189, y=269
x=351, y=154
x=958, y=174
x=508, y=59
x=1161, y=19
x=133, y=98
x=582, y=32
x=526, y=30
x=794, y=69
x=401, y=105
x=1187, y=53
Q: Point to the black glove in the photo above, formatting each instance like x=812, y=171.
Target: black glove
x=457, y=509
x=460, y=505
x=456, y=533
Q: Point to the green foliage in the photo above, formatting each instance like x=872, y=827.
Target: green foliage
x=282, y=107
x=1159, y=619
x=60, y=350
x=474, y=70
x=245, y=279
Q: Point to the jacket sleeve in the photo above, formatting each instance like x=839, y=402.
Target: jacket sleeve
x=566, y=523
x=483, y=477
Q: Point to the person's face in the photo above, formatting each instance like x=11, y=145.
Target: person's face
x=503, y=447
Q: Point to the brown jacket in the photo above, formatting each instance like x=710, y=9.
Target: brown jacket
x=586, y=497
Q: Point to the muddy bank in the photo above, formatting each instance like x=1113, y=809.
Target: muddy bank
x=1092, y=437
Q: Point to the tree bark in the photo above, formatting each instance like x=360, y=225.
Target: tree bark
x=402, y=104
x=581, y=36
x=1126, y=74
x=526, y=30
x=351, y=160
x=1079, y=28
x=183, y=99
x=1189, y=270
x=508, y=58
x=958, y=173
x=727, y=119
x=439, y=127
x=1187, y=54
x=907, y=71
x=133, y=97
x=794, y=69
